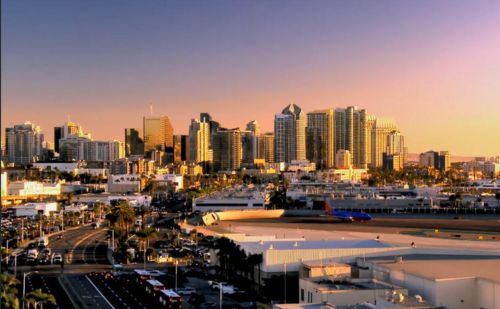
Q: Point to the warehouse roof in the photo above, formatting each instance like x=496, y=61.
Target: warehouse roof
x=313, y=244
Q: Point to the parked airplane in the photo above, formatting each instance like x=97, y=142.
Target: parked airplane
x=346, y=215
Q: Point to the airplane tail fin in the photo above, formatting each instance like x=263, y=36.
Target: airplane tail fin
x=327, y=207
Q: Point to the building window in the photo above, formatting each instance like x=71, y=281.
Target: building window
x=301, y=294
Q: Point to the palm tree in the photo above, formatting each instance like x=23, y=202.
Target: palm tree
x=37, y=297
x=124, y=215
x=8, y=294
x=255, y=260
x=146, y=235
x=142, y=211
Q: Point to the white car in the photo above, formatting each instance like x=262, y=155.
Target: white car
x=56, y=258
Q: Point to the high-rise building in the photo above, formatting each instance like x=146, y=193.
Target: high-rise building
x=68, y=129
x=266, y=147
x=429, y=159
x=396, y=147
x=134, y=145
x=23, y=143
x=158, y=134
x=444, y=161
x=343, y=159
x=254, y=127
x=393, y=161
x=438, y=160
x=351, y=133
x=381, y=129
x=320, y=138
x=227, y=150
x=250, y=144
x=370, y=122
x=290, y=135
x=199, y=141
x=181, y=148
x=213, y=126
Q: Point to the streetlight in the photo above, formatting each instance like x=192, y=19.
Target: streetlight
x=220, y=294
x=7, y=251
x=176, y=263
x=284, y=268
x=24, y=285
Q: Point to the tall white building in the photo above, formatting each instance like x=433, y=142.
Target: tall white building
x=199, y=141
x=23, y=143
x=290, y=134
x=396, y=145
x=75, y=148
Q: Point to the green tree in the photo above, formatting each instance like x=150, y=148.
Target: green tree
x=8, y=294
x=37, y=297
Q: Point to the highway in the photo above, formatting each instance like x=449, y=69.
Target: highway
x=50, y=285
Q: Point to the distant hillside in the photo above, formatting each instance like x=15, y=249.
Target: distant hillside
x=415, y=156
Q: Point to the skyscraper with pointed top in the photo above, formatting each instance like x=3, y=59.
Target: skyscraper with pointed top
x=290, y=134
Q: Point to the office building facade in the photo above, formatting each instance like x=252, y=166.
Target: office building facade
x=23, y=144
x=134, y=145
x=290, y=134
x=320, y=138
x=158, y=134
x=227, y=150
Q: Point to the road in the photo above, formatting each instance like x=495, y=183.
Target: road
x=84, y=292
x=50, y=285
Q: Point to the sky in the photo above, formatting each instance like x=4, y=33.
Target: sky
x=433, y=66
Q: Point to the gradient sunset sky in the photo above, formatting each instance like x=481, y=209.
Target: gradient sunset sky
x=434, y=66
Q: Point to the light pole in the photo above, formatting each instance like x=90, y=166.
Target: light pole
x=15, y=265
x=220, y=295
x=284, y=268
x=113, y=240
x=144, y=254
x=176, y=263
x=7, y=251
x=24, y=285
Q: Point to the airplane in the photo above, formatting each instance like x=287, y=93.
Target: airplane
x=348, y=216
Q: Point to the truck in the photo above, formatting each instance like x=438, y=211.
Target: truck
x=43, y=241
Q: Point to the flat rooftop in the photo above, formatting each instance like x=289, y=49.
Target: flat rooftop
x=360, y=284
x=447, y=268
x=314, y=244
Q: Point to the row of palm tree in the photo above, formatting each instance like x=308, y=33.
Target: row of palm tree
x=234, y=262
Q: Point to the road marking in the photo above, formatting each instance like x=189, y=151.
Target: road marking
x=80, y=241
x=95, y=287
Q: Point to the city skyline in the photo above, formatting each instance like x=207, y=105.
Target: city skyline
x=431, y=66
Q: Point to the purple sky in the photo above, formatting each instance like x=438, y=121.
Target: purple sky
x=434, y=66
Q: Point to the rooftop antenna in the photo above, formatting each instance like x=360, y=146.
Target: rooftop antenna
x=151, y=109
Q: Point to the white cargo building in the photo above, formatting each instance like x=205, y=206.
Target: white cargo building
x=32, y=209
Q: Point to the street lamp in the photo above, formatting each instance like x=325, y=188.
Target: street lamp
x=24, y=285
x=220, y=294
x=176, y=263
x=7, y=251
x=284, y=268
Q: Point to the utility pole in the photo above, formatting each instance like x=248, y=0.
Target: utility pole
x=284, y=268
x=176, y=263
x=220, y=295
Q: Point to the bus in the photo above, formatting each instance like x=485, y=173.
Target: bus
x=153, y=287
x=169, y=299
x=141, y=276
